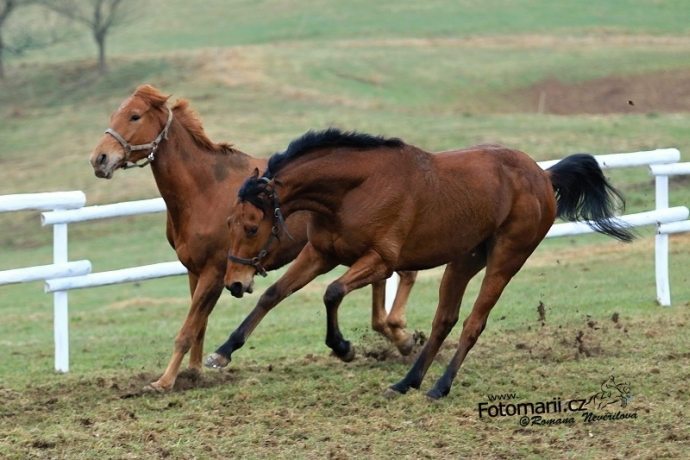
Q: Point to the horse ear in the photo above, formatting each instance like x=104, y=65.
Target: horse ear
x=255, y=173
x=152, y=95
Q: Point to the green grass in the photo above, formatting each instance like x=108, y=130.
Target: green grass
x=160, y=26
x=438, y=74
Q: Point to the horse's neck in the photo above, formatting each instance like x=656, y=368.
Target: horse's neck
x=183, y=171
x=319, y=191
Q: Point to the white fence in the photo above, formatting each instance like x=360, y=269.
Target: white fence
x=67, y=207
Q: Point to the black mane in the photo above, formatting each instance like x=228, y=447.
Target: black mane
x=252, y=188
x=329, y=138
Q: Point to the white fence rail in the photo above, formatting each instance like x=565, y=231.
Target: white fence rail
x=67, y=207
x=60, y=267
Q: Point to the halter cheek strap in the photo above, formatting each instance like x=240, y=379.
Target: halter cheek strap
x=278, y=221
x=256, y=261
x=151, y=145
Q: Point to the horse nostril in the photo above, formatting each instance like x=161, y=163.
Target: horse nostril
x=102, y=158
x=236, y=289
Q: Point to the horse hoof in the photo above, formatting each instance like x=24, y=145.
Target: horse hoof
x=391, y=393
x=345, y=351
x=155, y=387
x=406, y=348
x=216, y=361
x=350, y=355
x=434, y=395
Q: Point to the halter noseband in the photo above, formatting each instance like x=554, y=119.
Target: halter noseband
x=278, y=221
x=151, y=145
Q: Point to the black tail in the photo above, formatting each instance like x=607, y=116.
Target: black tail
x=583, y=193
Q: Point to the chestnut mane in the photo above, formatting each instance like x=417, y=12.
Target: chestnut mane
x=185, y=115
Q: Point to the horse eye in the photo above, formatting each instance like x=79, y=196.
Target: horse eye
x=135, y=118
x=252, y=231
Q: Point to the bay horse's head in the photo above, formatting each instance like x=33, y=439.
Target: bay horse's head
x=256, y=227
x=136, y=128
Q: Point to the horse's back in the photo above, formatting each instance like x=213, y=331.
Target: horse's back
x=477, y=191
x=488, y=157
x=490, y=172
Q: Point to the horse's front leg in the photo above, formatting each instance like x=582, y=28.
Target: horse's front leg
x=196, y=352
x=369, y=269
x=205, y=293
x=308, y=265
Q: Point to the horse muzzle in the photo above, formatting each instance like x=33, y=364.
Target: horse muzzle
x=104, y=165
x=103, y=175
x=237, y=289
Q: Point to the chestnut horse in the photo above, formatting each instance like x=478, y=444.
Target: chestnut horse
x=381, y=205
x=195, y=176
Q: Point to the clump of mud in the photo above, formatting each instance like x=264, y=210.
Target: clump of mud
x=375, y=347
x=558, y=343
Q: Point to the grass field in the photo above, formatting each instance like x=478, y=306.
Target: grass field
x=439, y=74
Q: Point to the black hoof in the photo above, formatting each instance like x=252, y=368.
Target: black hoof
x=435, y=394
x=345, y=351
x=400, y=388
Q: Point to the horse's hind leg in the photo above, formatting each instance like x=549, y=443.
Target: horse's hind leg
x=206, y=292
x=392, y=325
x=453, y=284
x=503, y=263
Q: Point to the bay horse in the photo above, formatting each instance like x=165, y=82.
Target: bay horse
x=380, y=205
x=194, y=176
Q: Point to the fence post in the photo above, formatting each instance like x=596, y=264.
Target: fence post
x=663, y=289
x=391, y=290
x=60, y=303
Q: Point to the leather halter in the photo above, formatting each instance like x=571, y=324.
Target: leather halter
x=151, y=145
x=278, y=222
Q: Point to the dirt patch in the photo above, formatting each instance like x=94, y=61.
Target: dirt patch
x=658, y=92
x=186, y=380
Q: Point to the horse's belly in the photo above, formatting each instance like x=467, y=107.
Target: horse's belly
x=430, y=256
x=423, y=250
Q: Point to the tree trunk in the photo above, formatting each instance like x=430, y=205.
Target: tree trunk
x=8, y=7
x=102, y=64
x=2, y=63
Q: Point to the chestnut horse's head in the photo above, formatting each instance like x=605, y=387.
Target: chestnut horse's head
x=256, y=227
x=136, y=128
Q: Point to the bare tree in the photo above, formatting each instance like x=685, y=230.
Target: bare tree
x=35, y=28
x=6, y=9
x=98, y=15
